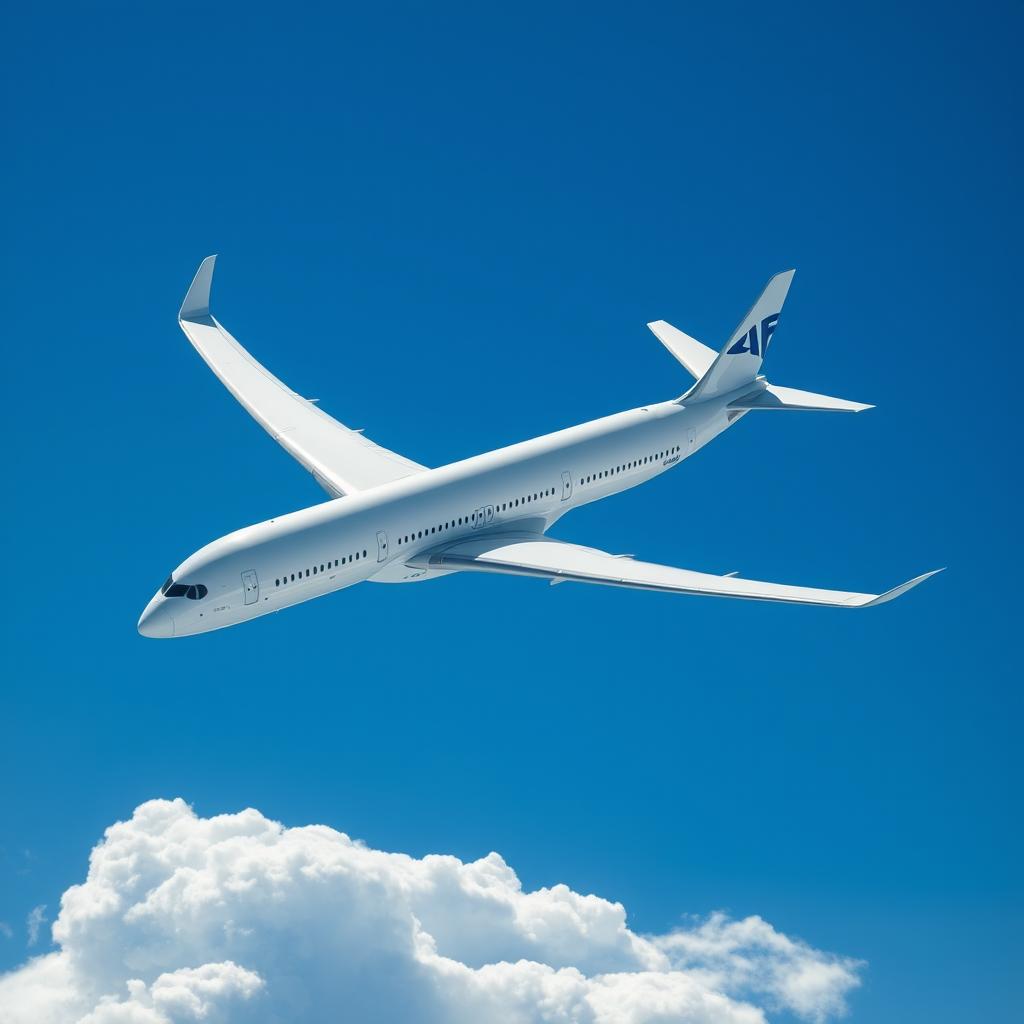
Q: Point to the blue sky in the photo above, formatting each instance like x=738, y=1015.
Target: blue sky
x=451, y=226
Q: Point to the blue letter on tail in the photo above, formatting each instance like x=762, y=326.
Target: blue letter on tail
x=751, y=342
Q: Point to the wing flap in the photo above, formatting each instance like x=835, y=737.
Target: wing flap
x=341, y=459
x=544, y=557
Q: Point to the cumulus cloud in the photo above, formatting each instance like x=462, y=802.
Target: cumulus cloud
x=235, y=917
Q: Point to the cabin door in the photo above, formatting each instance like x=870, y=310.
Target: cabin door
x=250, y=586
x=382, y=546
x=566, y=485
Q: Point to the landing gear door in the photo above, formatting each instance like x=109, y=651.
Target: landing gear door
x=566, y=485
x=250, y=586
x=382, y=546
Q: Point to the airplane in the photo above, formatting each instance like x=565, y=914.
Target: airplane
x=391, y=520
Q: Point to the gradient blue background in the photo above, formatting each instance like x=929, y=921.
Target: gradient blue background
x=451, y=226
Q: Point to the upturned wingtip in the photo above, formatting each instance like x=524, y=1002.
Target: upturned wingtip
x=197, y=298
x=891, y=595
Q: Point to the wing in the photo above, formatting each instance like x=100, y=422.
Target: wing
x=533, y=555
x=342, y=460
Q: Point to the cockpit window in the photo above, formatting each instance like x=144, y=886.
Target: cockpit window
x=193, y=591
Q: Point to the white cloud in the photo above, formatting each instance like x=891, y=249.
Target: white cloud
x=190, y=993
x=235, y=917
x=34, y=922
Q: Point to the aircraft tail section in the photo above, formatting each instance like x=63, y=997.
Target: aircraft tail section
x=772, y=396
x=692, y=354
x=739, y=362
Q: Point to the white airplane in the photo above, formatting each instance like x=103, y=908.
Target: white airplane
x=392, y=520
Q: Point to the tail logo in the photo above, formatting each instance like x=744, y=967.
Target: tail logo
x=753, y=342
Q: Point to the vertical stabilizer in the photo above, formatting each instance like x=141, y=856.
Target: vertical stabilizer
x=739, y=362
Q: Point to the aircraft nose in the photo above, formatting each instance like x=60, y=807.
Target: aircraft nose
x=156, y=620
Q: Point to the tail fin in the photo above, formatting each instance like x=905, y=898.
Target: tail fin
x=739, y=362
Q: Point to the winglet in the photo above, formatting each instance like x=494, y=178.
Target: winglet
x=197, y=300
x=899, y=591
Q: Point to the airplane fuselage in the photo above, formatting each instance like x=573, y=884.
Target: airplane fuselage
x=383, y=534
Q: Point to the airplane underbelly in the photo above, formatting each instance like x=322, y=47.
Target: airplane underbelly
x=398, y=572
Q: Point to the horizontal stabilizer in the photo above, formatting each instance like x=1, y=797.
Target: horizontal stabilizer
x=694, y=355
x=774, y=397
